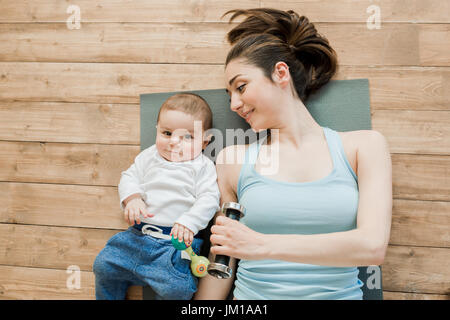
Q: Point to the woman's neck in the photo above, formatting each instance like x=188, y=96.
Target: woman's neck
x=295, y=126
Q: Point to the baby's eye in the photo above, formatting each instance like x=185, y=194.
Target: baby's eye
x=187, y=136
x=167, y=133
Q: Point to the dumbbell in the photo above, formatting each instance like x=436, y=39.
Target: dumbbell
x=220, y=267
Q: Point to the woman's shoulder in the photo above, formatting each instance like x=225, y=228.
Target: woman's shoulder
x=232, y=155
x=359, y=138
x=359, y=143
x=229, y=162
x=364, y=143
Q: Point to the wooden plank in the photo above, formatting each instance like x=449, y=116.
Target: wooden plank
x=70, y=122
x=101, y=82
x=178, y=10
x=357, y=10
x=433, y=41
x=89, y=164
x=421, y=132
x=23, y=283
x=394, y=44
x=405, y=88
x=411, y=131
x=120, y=11
x=61, y=205
x=390, y=295
x=51, y=247
x=406, y=269
x=410, y=88
x=420, y=223
x=416, y=270
x=115, y=42
x=416, y=177
x=421, y=177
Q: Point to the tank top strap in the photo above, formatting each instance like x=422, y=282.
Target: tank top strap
x=337, y=152
x=246, y=176
x=251, y=154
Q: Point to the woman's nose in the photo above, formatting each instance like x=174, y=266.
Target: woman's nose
x=235, y=103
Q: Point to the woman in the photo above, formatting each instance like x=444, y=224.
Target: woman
x=327, y=209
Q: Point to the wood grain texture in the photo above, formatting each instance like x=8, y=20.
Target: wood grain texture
x=429, y=11
x=357, y=10
x=406, y=268
x=390, y=295
x=355, y=44
x=406, y=88
x=407, y=131
x=421, y=177
x=414, y=132
x=415, y=177
x=415, y=223
x=23, y=283
x=61, y=205
x=420, y=223
x=416, y=270
x=51, y=247
x=88, y=164
x=70, y=122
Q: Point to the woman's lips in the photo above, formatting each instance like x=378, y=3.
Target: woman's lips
x=247, y=115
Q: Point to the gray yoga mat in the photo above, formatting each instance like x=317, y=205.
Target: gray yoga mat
x=342, y=105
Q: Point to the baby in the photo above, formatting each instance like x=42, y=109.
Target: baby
x=170, y=190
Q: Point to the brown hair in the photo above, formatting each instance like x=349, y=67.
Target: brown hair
x=268, y=36
x=189, y=103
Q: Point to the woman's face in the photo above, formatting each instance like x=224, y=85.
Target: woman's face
x=252, y=95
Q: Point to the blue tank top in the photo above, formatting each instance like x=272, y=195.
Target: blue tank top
x=276, y=207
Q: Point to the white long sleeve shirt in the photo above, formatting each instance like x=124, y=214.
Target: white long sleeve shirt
x=175, y=192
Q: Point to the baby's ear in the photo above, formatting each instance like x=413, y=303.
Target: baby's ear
x=206, y=140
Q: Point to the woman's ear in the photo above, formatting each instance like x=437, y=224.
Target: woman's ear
x=281, y=74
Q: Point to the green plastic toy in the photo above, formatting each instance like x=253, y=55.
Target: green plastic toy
x=199, y=264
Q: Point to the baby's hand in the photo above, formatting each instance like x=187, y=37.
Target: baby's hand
x=181, y=232
x=134, y=209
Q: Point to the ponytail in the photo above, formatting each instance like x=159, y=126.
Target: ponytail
x=268, y=36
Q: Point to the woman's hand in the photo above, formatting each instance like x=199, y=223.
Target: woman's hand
x=231, y=238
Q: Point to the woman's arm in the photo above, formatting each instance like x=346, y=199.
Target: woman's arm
x=211, y=288
x=363, y=246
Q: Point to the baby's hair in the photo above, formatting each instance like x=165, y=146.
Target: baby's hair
x=189, y=103
x=268, y=36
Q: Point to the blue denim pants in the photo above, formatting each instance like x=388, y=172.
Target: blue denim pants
x=132, y=258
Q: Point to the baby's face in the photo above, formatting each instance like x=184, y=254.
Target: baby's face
x=179, y=136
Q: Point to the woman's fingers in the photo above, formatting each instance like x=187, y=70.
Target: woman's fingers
x=218, y=240
x=215, y=229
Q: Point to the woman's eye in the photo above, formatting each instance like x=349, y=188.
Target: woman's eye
x=240, y=88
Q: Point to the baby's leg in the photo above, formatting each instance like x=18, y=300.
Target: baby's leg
x=112, y=268
x=165, y=272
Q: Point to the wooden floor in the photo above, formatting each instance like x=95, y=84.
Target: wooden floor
x=69, y=123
